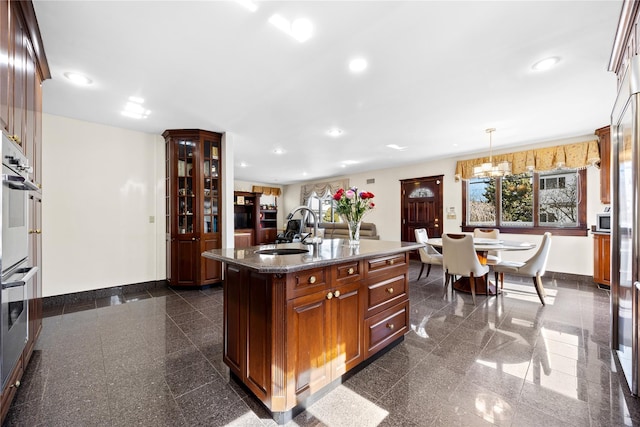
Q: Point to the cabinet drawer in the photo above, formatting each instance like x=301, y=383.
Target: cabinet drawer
x=9, y=392
x=387, y=264
x=385, y=293
x=347, y=273
x=385, y=327
x=306, y=282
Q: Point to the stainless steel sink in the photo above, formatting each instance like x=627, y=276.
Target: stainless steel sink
x=282, y=251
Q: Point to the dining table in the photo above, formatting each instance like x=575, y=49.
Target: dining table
x=482, y=247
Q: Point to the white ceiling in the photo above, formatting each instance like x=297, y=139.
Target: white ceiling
x=439, y=74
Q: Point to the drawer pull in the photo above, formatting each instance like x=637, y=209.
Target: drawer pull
x=329, y=295
x=392, y=261
x=390, y=326
x=350, y=270
x=390, y=290
x=336, y=294
x=312, y=279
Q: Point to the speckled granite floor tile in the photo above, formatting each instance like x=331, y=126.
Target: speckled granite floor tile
x=155, y=358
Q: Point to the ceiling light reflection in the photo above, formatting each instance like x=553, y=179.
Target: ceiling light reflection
x=77, y=78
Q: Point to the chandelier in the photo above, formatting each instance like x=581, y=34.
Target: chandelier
x=488, y=170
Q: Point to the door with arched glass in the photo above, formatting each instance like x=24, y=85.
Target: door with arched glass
x=421, y=206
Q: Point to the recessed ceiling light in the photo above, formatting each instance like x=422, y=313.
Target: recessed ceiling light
x=358, y=65
x=546, y=64
x=79, y=79
x=251, y=6
x=278, y=150
x=243, y=165
x=300, y=29
x=335, y=132
x=349, y=162
x=396, y=147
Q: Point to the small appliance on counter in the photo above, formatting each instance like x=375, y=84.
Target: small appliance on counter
x=603, y=221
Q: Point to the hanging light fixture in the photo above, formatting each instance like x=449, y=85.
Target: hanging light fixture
x=489, y=169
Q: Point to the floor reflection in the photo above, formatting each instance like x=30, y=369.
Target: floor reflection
x=155, y=358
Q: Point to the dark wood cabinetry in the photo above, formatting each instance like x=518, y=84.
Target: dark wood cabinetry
x=602, y=258
x=23, y=68
x=246, y=208
x=193, y=201
x=268, y=230
x=604, y=143
x=286, y=336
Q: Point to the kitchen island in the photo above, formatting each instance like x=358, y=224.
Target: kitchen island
x=295, y=323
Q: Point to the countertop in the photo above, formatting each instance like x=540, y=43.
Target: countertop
x=330, y=251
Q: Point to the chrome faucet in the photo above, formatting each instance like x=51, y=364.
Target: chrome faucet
x=316, y=240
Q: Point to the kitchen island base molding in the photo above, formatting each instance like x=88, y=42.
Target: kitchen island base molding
x=282, y=418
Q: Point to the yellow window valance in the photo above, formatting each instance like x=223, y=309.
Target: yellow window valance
x=275, y=191
x=570, y=156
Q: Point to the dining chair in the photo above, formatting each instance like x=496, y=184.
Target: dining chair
x=493, y=257
x=534, y=267
x=460, y=259
x=428, y=254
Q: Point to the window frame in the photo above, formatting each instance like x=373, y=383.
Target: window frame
x=580, y=230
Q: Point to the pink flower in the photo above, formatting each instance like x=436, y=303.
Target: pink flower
x=350, y=194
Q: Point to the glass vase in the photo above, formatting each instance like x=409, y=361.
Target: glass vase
x=354, y=231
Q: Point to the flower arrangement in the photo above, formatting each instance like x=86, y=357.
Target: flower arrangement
x=353, y=205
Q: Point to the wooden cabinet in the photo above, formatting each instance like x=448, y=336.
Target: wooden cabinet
x=287, y=336
x=193, y=203
x=23, y=68
x=604, y=136
x=268, y=230
x=246, y=208
x=602, y=258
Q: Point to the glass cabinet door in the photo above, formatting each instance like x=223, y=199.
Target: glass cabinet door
x=186, y=195
x=211, y=222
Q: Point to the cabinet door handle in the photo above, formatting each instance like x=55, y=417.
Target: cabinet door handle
x=390, y=290
x=329, y=295
x=193, y=238
x=435, y=226
x=16, y=385
x=336, y=294
x=312, y=279
x=390, y=326
x=350, y=271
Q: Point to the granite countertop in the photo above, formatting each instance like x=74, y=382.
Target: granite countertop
x=330, y=251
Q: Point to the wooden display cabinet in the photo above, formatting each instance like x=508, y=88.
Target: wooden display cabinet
x=268, y=225
x=246, y=208
x=193, y=200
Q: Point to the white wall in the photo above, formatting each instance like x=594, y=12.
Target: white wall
x=568, y=254
x=101, y=185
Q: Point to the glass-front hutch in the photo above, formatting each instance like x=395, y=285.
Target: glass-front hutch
x=192, y=206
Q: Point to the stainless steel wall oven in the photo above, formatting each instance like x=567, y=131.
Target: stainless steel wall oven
x=16, y=271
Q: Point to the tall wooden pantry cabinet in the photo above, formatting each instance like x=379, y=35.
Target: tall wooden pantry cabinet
x=23, y=68
x=193, y=200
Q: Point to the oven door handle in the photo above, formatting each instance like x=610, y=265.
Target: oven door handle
x=17, y=182
x=30, y=272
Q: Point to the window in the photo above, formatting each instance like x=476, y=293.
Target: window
x=324, y=208
x=528, y=203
